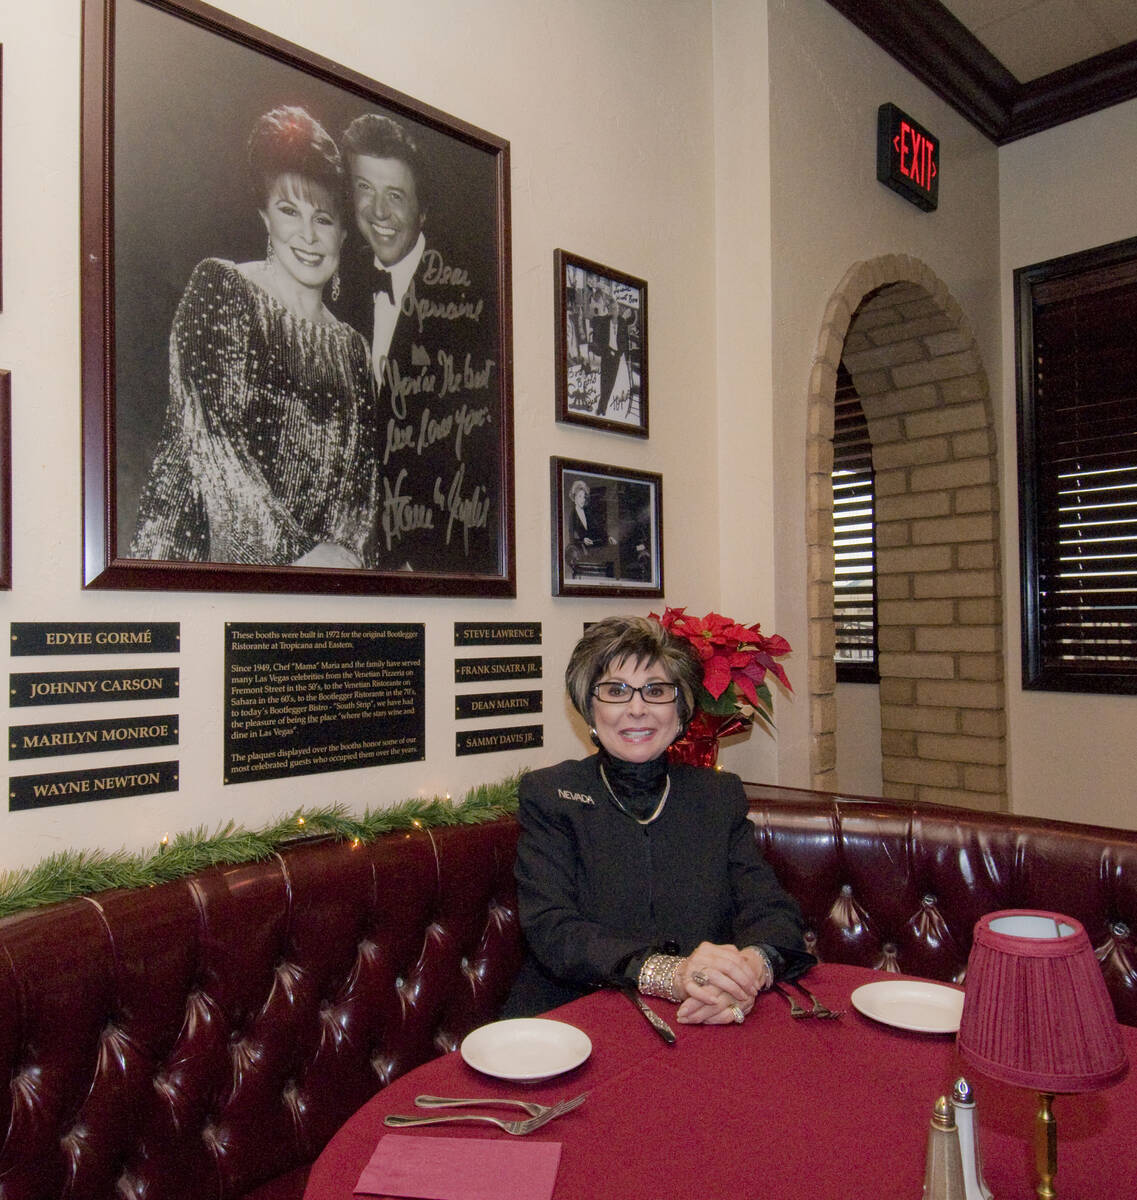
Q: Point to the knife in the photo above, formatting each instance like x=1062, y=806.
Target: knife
x=654, y=1019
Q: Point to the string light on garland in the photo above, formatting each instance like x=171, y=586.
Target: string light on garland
x=71, y=873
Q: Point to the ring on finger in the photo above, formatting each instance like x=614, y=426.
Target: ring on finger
x=737, y=1013
x=699, y=977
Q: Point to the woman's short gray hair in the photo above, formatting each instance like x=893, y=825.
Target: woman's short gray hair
x=644, y=642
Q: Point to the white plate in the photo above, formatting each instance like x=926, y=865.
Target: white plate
x=526, y=1048
x=911, y=1004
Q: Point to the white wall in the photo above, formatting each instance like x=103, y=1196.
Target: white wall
x=1068, y=189
x=826, y=82
x=643, y=134
x=609, y=112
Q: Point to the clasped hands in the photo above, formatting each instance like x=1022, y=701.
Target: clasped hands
x=733, y=978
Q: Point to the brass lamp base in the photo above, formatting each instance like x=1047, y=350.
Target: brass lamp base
x=1045, y=1146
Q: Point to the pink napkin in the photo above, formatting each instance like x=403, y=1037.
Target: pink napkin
x=437, y=1168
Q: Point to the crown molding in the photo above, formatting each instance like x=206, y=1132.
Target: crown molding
x=926, y=39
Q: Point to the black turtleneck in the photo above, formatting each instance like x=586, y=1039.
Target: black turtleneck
x=637, y=785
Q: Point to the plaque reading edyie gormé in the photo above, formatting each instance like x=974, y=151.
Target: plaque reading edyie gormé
x=85, y=637
x=306, y=698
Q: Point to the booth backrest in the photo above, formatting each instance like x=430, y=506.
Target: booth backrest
x=195, y=1040
x=900, y=886
x=202, y=1040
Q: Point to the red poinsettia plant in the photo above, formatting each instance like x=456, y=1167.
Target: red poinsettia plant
x=736, y=659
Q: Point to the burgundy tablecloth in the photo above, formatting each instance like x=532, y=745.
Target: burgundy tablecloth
x=772, y=1109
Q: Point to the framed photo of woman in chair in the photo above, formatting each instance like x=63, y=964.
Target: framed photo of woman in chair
x=607, y=530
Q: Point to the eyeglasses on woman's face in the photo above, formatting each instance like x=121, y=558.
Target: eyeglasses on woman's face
x=617, y=692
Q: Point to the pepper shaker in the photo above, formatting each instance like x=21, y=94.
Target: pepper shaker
x=963, y=1103
x=943, y=1172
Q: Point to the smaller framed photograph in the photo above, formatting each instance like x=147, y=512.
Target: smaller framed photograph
x=601, y=339
x=607, y=530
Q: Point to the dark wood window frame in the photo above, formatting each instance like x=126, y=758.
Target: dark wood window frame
x=1076, y=377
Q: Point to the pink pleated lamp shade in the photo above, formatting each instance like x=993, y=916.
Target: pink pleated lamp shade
x=1036, y=1011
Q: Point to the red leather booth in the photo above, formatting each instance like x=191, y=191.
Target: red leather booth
x=203, y=1039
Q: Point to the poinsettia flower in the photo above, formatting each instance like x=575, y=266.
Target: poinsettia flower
x=735, y=660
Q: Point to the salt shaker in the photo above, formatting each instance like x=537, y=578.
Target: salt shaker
x=943, y=1173
x=963, y=1104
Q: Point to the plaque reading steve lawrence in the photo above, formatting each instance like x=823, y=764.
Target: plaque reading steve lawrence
x=307, y=698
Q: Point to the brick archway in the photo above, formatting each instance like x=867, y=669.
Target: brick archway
x=913, y=359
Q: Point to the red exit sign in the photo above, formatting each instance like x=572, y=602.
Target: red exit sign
x=907, y=157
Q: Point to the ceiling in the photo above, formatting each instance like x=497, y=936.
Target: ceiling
x=1011, y=67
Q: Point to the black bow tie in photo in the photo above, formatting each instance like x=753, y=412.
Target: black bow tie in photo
x=383, y=284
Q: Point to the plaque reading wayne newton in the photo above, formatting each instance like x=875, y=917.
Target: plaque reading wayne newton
x=301, y=699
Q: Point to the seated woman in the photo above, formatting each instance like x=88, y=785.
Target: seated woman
x=633, y=870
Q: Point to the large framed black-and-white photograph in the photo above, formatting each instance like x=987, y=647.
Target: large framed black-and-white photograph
x=601, y=340
x=296, y=320
x=607, y=530
x=5, y=480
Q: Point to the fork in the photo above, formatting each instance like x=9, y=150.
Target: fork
x=819, y=1010
x=531, y=1107
x=395, y=1121
x=796, y=1009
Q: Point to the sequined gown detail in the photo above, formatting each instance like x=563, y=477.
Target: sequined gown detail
x=270, y=435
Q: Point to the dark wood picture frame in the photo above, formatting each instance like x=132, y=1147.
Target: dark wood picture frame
x=602, y=378
x=1, y=176
x=5, y=480
x=611, y=542
x=171, y=89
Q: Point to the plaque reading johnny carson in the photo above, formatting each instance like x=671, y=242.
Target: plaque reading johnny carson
x=92, y=687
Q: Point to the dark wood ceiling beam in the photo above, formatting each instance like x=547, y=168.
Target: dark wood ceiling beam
x=926, y=39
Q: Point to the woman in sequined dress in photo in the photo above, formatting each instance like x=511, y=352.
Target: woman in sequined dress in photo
x=268, y=452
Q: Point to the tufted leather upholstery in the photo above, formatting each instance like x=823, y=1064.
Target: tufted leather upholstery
x=202, y=1040
x=900, y=886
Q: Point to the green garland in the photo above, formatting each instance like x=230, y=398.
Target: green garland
x=74, y=873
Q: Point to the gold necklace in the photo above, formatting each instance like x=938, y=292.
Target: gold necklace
x=638, y=820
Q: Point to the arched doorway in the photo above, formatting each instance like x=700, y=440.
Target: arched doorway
x=913, y=359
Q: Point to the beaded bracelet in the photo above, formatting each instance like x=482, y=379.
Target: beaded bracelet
x=765, y=961
x=657, y=976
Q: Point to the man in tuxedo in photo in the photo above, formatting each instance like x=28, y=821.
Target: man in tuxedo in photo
x=420, y=311
x=610, y=343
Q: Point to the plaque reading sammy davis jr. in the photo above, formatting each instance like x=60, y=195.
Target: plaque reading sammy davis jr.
x=306, y=698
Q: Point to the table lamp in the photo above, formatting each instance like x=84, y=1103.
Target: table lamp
x=1036, y=1013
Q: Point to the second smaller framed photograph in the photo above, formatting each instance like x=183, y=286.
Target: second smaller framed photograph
x=607, y=530
x=601, y=339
